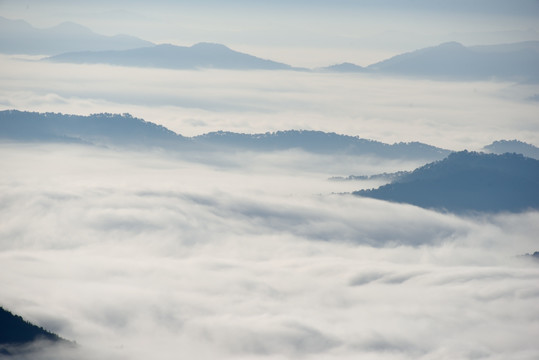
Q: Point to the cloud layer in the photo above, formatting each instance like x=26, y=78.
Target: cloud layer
x=196, y=102
x=150, y=256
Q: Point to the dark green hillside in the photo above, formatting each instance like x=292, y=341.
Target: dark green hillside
x=468, y=181
x=15, y=330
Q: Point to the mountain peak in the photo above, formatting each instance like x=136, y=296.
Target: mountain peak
x=198, y=56
x=513, y=146
x=70, y=28
x=345, y=67
x=451, y=45
x=209, y=45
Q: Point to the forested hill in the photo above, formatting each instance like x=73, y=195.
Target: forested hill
x=15, y=333
x=97, y=129
x=126, y=131
x=468, y=181
x=319, y=142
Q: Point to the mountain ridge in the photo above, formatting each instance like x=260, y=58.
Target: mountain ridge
x=168, y=56
x=127, y=131
x=467, y=182
x=452, y=60
x=19, y=37
x=74, y=43
x=512, y=146
x=124, y=130
x=18, y=335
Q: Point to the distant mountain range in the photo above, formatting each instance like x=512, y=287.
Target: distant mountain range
x=512, y=146
x=126, y=131
x=454, y=61
x=319, y=142
x=198, y=56
x=99, y=129
x=449, y=61
x=19, y=37
x=497, y=147
x=73, y=43
x=383, y=176
x=457, y=181
x=468, y=181
x=16, y=332
x=345, y=67
x=518, y=61
x=123, y=130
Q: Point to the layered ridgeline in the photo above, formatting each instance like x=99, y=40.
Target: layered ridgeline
x=126, y=131
x=319, y=142
x=19, y=37
x=462, y=181
x=73, y=43
x=198, y=56
x=454, y=61
x=468, y=181
x=448, y=61
x=99, y=129
x=16, y=334
x=512, y=146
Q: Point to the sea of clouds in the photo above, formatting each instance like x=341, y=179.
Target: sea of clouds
x=452, y=114
x=251, y=256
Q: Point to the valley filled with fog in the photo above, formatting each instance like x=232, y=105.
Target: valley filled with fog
x=256, y=255
x=235, y=180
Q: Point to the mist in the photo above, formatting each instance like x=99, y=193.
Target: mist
x=300, y=33
x=138, y=255
x=146, y=253
x=387, y=109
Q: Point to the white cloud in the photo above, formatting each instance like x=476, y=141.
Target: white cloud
x=194, y=102
x=229, y=256
x=141, y=256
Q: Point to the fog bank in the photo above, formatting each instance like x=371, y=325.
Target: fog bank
x=148, y=255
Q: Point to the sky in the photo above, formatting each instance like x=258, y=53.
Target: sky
x=148, y=254
x=454, y=115
x=301, y=33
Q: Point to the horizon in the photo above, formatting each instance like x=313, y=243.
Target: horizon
x=295, y=33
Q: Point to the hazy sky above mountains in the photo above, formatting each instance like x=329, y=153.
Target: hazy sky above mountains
x=454, y=115
x=302, y=33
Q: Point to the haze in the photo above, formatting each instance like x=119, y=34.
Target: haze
x=301, y=33
x=162, y=253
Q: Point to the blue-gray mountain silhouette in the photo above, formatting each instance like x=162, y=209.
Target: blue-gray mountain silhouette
x=15, y=332
x=513, y=146
x=198, y=56
x=534, y=256
x=345, y=67
x=97, y=129
x=383, y=176
x=468, y=181
x=127, y=131
x=73, y=43
x=19, y=37
x=518, y=62
x=319, y=142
